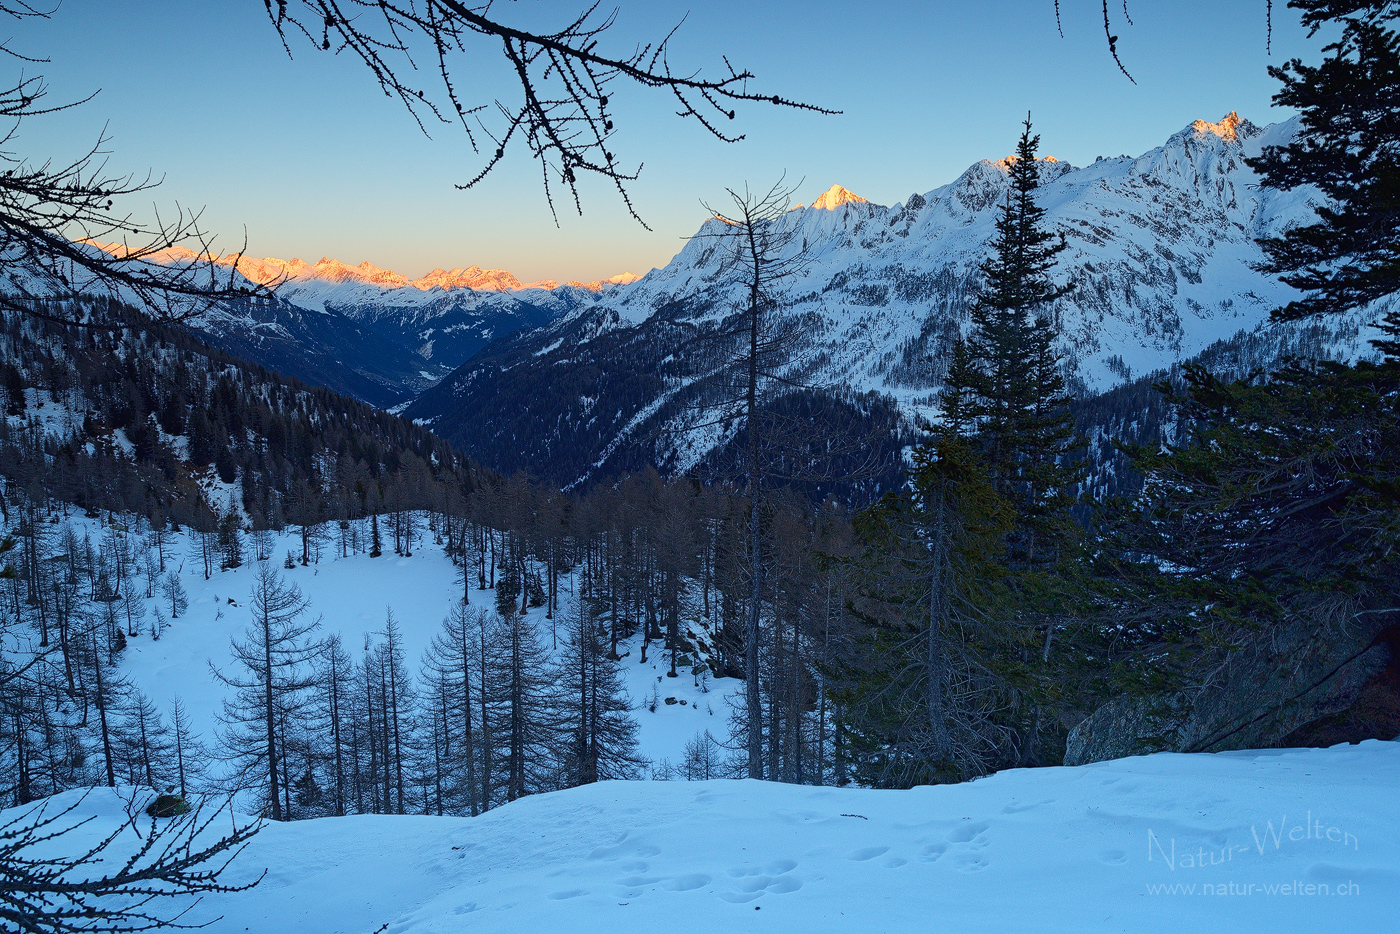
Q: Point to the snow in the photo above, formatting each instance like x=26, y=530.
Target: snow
x=1160, y=246
x=1277, y=840
x=834, y=197
x=352, y=596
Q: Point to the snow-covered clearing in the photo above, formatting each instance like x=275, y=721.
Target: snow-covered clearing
x=1278, y=840
x=352, y=597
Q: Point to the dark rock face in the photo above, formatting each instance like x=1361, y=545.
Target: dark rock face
x=1309, y=685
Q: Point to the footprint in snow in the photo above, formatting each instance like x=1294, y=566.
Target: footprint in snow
x=966, y=832
x=931, y=852
x=568, y=893
x=625, y=848
x=970, y=863
x=740, y=896
x=633, y=882
x=869, y=852
x=1113, y=857
x=751, y=887
x=687, y=883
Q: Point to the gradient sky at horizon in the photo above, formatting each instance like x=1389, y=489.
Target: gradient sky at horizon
x=309, y=157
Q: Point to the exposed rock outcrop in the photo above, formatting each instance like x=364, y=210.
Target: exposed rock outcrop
x=1307, y=685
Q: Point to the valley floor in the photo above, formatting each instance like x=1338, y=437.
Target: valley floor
x=1278, y=840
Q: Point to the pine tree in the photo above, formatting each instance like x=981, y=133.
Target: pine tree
x=1005, y=387
x=595, y=708
x=270, y=681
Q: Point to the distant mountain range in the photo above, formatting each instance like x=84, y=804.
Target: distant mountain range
x=374, y=333
x=1161, y=255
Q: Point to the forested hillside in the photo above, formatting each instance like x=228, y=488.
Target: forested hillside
x=143, y=418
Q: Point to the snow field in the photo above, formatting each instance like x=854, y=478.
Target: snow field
x=1292, y=840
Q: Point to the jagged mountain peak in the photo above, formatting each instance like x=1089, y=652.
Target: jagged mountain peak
x=835, y=196
x=600, y=285
x=1004, y=163
x=1230, y=128
x=328, y=271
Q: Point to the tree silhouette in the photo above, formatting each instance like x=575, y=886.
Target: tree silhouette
x=564, y=115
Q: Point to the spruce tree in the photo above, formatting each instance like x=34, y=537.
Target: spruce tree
x=965, y=576
x=922, y=700
x=1005, y=388
x=1280, y=503
x=1348, y=145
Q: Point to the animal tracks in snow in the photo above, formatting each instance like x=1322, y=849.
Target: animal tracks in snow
x=686, y=883
x=634, y=864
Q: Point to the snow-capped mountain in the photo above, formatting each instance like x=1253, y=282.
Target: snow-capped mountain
x=1160, y=251
x=444, y=316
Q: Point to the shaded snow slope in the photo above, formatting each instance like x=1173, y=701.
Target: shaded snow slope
x=1291, y=840
x=352, y=596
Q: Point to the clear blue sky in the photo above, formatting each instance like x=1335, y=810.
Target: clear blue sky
x=313, y=160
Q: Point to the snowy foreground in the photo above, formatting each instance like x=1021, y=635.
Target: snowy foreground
x=1280, y=840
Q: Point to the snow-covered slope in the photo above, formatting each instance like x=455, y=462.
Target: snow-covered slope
x=1279, y=840
x=1160, y=251
x=351, y=596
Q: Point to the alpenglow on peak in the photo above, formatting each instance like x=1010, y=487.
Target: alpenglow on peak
x=1228, y=128
x=835, y=196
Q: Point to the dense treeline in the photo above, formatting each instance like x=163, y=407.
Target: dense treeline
x=500, y=706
